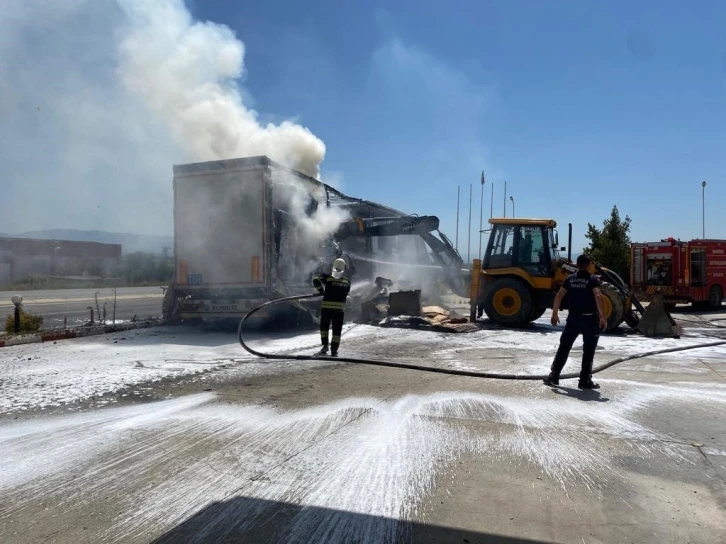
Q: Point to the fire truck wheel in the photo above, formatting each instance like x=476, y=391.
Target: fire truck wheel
x=508, y=301
x=613, y=305
x=715, y=297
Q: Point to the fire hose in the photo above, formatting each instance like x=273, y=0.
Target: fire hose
x=450, y=371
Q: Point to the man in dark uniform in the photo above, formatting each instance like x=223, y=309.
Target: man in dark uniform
x=585, y=316
x=335, y=288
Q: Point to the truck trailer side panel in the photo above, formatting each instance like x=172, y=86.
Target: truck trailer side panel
x=220, y=227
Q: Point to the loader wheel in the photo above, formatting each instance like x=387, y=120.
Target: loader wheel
x=508, y=301
x=537, y=312
x=715, y=297
x=613, y=306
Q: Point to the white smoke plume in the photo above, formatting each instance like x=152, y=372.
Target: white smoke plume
x=100, y=97
x=187, y=73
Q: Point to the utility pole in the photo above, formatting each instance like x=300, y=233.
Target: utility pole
x=481, y=213
x=468, y=251
x=491, y=204
x=458, y=192
x=703, y=207
x=512, y=199
x=505, y=199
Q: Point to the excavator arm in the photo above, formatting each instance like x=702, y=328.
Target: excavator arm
x=443, y=251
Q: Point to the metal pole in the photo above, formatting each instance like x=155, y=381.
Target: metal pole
x=505, y=199
x=468, y=251
x=491, y=210
x=17, y=300
x=481, y=213
x=512, y=199
x=458, y=192
x=703, y=207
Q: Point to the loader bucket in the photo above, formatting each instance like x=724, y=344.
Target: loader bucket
x=656, y=320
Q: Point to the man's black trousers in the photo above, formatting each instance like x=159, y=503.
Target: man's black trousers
x=588, y=326
x=336, y=318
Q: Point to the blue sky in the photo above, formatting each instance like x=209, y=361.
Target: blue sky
x=579, y=106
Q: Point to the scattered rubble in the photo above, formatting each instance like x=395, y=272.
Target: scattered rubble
x=404, y=309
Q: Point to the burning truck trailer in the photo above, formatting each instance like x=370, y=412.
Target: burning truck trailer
x=250, y=230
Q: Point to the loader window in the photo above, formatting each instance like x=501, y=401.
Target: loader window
x=531, y=246
x=502, y=247
x=532, y=253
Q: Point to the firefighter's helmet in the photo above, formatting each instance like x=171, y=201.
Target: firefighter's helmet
x=338, y=268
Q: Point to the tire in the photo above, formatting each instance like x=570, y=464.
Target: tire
x=537, y=312
x=508, y=301
x=169, y=307
x=614, y=306
x=715, y=297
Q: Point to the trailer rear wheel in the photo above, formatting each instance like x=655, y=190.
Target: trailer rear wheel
x=169, y=307
x=613, y=305
x=715, y=297
x=508, y=301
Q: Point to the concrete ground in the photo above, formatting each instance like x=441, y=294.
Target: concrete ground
x=57, y=305
x=174, y=435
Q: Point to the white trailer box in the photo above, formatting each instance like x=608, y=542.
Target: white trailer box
x=231, y=219
x=250, y=230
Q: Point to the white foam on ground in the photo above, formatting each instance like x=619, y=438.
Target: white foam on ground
x=161, y=463
x=47, y=374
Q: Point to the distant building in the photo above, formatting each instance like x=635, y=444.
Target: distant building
x=23, y=258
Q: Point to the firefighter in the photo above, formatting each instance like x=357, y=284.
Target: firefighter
x=335, y=288
x=585, y=316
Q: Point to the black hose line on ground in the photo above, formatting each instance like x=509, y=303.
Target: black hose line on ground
x=454, y=372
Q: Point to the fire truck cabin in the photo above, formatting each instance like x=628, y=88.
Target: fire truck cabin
x=692, y=272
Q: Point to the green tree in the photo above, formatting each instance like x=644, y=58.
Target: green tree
x=140, y=267
x=610, y=246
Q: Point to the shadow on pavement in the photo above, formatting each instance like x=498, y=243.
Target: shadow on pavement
x=691, y=310
x=590, y=395
x=244, y=519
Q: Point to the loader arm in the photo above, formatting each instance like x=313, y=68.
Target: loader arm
x=444, y=253
x=620, y=285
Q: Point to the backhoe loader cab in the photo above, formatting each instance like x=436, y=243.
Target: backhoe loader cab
x=522, y=270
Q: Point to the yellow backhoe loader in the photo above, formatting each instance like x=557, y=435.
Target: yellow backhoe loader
x=522, y=270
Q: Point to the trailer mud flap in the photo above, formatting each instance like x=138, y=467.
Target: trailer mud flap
x=656, y=321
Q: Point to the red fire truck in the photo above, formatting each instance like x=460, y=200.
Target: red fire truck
x=692, y=272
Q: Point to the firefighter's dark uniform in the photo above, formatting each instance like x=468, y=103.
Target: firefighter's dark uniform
x=332, y=308
x=582, y=318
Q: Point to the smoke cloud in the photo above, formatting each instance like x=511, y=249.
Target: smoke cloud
x=186, y=72
x=99, y=98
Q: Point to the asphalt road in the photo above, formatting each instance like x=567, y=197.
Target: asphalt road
x=203, y=443
x=57, y=305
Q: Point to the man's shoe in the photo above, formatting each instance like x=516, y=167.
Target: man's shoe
x=551, y=380
x=588, y=385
